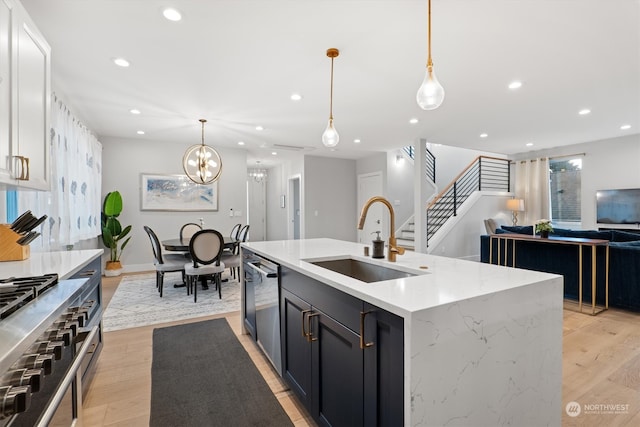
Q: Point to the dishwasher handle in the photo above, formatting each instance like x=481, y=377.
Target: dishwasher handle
x=268, y=274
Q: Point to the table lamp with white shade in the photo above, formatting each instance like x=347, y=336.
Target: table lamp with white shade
x=515, y=206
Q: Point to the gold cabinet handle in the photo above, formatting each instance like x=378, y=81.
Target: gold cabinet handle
x=25, y=162
x=305, y=333
x=22, y=168
x=364, y=345
x=310, y=336
x=22, y=163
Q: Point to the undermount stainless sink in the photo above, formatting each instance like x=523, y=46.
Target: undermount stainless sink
x=363, y=271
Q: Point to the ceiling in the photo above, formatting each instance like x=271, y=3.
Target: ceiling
x=236, y=64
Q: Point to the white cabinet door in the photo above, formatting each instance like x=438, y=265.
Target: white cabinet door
x=33, y=97
x=6, y=26
x=25, y=96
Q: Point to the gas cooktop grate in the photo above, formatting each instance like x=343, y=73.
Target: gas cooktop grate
x=17, y=292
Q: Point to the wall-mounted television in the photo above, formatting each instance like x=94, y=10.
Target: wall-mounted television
x=618, y=206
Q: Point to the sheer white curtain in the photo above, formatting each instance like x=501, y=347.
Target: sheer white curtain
x=74, y=203
x=532, y=185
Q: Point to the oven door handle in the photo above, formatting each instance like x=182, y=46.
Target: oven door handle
x=269, y=274
x=50, y=411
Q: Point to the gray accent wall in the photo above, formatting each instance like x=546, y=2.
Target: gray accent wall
x=330, y=198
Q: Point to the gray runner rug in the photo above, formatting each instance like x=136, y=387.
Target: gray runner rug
x=202, y=376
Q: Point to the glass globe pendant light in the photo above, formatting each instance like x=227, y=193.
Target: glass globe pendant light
x=202, y=163
x=330, y=137
x=431, y=93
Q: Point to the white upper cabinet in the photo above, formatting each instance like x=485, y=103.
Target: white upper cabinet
x=25, y=97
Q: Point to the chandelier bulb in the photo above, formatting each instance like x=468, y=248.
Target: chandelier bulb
x=330, y=137
x=431, y=93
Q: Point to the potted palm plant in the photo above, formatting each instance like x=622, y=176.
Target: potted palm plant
x=113, y=233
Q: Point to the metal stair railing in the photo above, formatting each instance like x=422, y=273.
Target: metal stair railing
x=483, y=173
x=430, y=161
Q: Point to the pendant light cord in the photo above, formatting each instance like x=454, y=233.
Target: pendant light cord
x=331, y=96
x=203, y=121
x=429, y=61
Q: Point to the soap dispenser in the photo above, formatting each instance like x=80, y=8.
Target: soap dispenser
x=378, y=246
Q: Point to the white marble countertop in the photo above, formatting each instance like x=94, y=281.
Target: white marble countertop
x=64, y=263
x=444, y=281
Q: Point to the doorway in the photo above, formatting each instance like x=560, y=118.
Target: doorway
x=294, y=229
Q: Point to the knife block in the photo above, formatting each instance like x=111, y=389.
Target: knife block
x=9, y=249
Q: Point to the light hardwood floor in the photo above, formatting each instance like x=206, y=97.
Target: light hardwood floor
x=601, y=366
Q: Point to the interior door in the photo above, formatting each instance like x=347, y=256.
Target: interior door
x=257, y=209
x=294, y=208
x=370, y=185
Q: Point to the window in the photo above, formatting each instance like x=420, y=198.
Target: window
x=565, y=186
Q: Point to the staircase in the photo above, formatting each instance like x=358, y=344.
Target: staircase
x=405, y=236
x=483, y=173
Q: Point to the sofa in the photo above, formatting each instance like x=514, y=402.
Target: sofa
x=624, y=262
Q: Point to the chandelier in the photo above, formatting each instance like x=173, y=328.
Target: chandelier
x=202, y=163
x=431, y=93
x=258, y=174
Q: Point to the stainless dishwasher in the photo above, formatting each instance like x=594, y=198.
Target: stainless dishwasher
x=262, y=305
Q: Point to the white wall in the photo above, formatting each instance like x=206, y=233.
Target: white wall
x=400, y=186
x=124, y=160
x=450, y=161
x=330, y=198
x=462, y=233
x=606, y=164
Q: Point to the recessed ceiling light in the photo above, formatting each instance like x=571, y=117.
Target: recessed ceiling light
x=584, y=111
x=240, y=142
x=625, y=127
x=515, y=85
x=259, y=128
x=529, y=144
x=121, y=62
x=484, y=135
x=140, y=132
x=273, y=153
x=296, y=97
x=356, y=141
x=172, y=14
x=413, y=121
x=134, y=111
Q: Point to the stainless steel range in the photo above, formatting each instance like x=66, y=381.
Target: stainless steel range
x=50, y=337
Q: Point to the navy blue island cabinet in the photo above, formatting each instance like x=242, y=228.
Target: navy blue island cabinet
x=343, y=357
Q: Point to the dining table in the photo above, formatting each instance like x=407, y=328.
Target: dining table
x=182, y=245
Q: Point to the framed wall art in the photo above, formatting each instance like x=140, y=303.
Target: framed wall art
x=176, y=193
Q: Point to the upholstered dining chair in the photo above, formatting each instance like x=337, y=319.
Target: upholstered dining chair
x=232, y=260
x=188, y=230
x=164, y=263
x=205, y=248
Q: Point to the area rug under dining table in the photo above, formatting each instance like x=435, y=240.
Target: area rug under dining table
x=137, y=302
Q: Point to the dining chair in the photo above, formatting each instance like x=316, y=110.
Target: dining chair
x=235, y=231
x=205, y=248
x=232, y=260
x=188, y=230
x=164, y=263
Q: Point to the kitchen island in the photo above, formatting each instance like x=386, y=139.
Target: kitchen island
x=482, y=344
